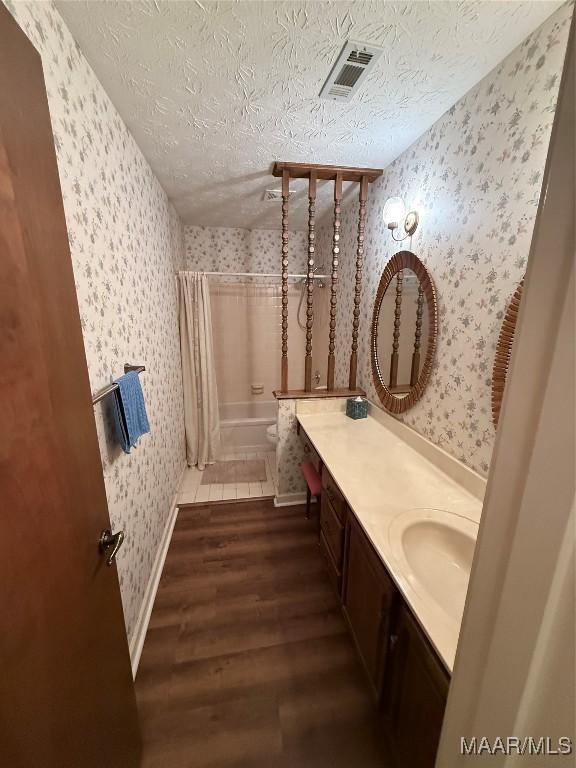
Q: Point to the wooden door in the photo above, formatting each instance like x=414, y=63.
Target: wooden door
x=416, y=688
x=368, y=597
x=66, y=692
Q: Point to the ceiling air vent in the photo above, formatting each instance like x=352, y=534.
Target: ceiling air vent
x=351, y=67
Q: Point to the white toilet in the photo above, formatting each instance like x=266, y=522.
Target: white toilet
x=272, y=434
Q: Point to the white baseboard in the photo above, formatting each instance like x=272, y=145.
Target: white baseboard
x=139, y=635
x=291, y=499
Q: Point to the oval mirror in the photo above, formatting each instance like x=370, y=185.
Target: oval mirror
x=504, y=352
x=404, y=332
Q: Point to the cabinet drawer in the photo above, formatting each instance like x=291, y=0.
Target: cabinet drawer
x=309, y=451
x=334, y=495
x=334, y=573
x=332, y=529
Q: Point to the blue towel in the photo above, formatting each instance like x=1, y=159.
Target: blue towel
x=129, y=411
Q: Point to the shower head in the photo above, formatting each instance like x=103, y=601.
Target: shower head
x=317, y=280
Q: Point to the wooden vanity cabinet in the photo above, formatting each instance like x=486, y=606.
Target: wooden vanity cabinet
x=310, y=453
x=332, y=533
x=368, y=599
x=332, y=530
x=415, y=692
x=334, y=572
x=334, y=495
x=407, y=677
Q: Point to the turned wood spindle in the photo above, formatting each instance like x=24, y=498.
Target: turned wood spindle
x=310, y=280
x=415, y=371
x=396, y=332
x=338, y=175
x=334, y=281
x=285, y=194
x=363, y=196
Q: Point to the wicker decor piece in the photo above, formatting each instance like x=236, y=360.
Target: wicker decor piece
x=404, y=260
x=504, y=352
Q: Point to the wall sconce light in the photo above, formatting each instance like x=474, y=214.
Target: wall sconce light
x=394, y=215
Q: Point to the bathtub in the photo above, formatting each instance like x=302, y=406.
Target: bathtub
x=243, y=426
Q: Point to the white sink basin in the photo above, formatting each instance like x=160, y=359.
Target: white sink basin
x=434, y=549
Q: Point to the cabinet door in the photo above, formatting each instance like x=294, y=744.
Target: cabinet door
x=368, y=596
x=416, y=688
x=310, y=452
x=334, y=572
x=332, y=529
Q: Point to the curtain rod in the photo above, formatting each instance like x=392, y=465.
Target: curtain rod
x=258, y=274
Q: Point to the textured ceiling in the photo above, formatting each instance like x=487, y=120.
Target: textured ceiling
x=213, y=92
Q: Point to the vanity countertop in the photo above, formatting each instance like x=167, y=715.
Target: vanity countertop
x=382, y=476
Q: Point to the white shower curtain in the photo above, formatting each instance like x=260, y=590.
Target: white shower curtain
x=201, y=418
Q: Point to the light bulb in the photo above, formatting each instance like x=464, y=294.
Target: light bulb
x=394, y=212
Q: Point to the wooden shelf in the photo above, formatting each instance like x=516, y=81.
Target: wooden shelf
x=326, y=172
x=301, y=394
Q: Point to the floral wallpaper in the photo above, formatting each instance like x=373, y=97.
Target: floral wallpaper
x=475, y=177
x=126, y=242
x=289, y=451
x=228, y=249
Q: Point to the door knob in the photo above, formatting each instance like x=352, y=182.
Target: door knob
x=114, y=540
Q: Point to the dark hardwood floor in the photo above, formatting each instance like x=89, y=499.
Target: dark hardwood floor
x=247, y=661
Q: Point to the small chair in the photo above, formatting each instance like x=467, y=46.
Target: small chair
x=313, y=483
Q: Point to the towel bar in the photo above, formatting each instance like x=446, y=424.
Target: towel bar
x=111, y=387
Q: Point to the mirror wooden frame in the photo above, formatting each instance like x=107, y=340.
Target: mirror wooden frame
x=405, y=260
x=504, y=352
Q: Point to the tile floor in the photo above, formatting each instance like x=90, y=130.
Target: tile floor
x=192, y=492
